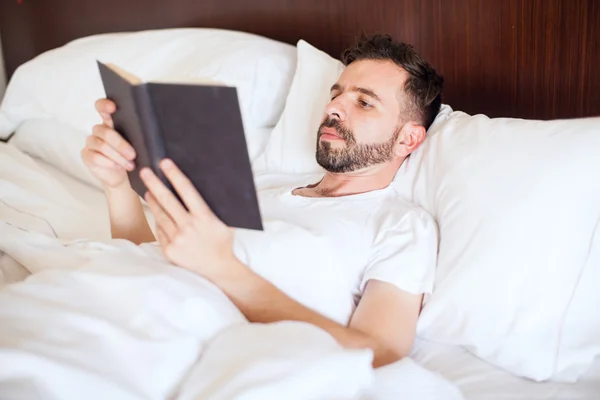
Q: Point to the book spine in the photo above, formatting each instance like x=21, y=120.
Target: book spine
x=150, y=129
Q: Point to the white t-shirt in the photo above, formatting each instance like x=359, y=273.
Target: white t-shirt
x=323, y=251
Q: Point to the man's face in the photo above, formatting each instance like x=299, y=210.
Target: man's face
x=362, y=123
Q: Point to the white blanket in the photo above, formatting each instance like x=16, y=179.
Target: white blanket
x=108, y=319
x=105, y=319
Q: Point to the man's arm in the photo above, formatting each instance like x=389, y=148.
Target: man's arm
x=384, y=321
x=389, y=315
x=109, y=157
x=195, y=239
x=127, y=218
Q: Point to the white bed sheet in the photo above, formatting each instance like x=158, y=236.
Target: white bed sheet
x=479, y=380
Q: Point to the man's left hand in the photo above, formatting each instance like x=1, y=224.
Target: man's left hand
x=195, y=239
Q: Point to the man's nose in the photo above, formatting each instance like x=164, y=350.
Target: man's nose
x=336, y=109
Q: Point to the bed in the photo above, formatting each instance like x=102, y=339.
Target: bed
x=476, y=379
x=540, y=93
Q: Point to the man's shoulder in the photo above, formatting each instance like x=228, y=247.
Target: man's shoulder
x=401, y=205
x=401, y=212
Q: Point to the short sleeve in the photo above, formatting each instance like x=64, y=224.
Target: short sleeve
x=405, y=254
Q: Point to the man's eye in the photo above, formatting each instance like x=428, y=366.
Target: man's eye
x=364, y=104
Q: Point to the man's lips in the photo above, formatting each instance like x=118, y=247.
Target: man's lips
x=330, y=134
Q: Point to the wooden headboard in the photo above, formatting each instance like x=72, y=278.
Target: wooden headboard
x=514, y=58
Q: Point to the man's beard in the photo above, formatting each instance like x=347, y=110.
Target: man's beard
x=353, y=156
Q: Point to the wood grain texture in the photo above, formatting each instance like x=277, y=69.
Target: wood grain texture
x=513, y=58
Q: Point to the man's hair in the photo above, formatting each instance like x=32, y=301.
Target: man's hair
x=424, y=85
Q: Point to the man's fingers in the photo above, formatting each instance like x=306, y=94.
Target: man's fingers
x=91, y=157
x=98, y=145
x=164, y=198
x=162, y=236
x=107, y=120
x=163, y=221
x=184, y=187
x=105, y=108
x=114, y=140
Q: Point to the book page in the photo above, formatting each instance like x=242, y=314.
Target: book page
x=134, y=80
x=188, y=80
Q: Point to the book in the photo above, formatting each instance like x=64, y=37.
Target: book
x=199, y=127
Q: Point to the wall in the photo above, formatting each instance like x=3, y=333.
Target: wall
x=2, y=73
x=505, y=58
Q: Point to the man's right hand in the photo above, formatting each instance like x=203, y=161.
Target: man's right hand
x=107, y=155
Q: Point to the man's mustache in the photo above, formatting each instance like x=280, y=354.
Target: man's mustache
x=342, y=131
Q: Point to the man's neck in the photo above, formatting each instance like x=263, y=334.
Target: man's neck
x=345, y=184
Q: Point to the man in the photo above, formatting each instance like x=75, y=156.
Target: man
x=369, y=254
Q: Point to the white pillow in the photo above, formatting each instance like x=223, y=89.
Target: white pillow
x=293, y=143
x=518, y=207
x=60, y=145
x=64, y=83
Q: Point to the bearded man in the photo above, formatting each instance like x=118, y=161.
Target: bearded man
x=345, y=253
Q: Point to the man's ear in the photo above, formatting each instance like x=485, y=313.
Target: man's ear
x=411, y=136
